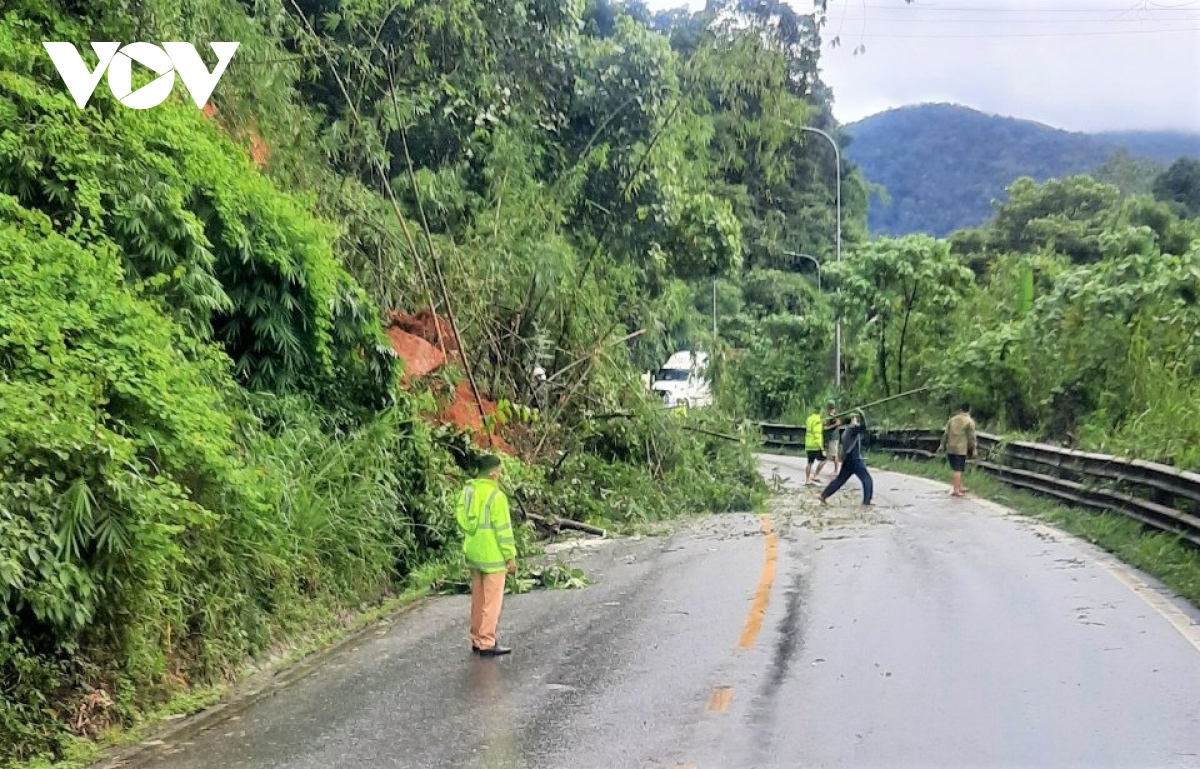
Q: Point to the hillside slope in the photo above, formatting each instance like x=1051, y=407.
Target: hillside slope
x=942, y=165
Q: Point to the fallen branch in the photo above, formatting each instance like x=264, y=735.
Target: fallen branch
x=596, y=350
x=587, y=359
x=566, y=523
x=726, y=436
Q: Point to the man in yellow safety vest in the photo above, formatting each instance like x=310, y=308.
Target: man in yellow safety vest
x=491, y=552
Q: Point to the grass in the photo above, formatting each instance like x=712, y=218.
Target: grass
x=82, y=752
x=1168, y=558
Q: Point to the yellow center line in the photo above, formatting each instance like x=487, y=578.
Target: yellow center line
x=719, y=701
x=758, y=609
x=722, y=696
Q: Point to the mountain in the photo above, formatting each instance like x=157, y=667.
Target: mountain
x=1162, y=146
x=942, y=165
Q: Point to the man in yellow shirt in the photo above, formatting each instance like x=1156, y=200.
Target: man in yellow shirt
x=958, y=441
x=490, y=550
x=814, y=445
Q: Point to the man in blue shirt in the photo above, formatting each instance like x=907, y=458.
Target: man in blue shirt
x=852, y=460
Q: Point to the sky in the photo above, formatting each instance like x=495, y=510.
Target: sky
x=1082, y=65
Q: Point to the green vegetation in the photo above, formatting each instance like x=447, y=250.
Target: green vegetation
x=207, y=454
x=1179, y=185
x=943, y=166
x=1079, y=325
x=1163, y=556
x=1085, y=333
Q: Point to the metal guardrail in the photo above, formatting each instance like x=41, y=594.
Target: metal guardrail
x=1157, y=495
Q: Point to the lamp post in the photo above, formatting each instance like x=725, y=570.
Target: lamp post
x=837, y=154
x=812, y=259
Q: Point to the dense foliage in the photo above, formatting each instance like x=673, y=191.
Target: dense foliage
x=1179, y=185
x=1072, y=316
x=942, y=165
x=205, y=448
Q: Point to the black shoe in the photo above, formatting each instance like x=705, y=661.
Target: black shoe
x=495, y=651
x=474, y=649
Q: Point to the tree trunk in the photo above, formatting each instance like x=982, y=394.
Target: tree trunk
x=909, y=302
x=883, y=368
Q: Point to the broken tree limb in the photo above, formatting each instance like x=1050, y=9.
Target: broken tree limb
x=726, y=436
x=596, y=350
x=566, y=523
x=587, y=359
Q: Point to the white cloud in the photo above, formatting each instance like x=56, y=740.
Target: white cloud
x=1075, y=64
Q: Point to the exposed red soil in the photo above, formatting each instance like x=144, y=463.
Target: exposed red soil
x=418, y=341
x=419, y=356
x=423, y=341
x=260, y=153
x=427, y=326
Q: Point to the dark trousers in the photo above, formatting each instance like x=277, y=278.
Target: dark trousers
x=852, y=465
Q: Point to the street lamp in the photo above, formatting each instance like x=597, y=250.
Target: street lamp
x=812, y=259
x=837, y=154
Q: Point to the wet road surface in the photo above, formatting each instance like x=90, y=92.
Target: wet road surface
x=926, y=632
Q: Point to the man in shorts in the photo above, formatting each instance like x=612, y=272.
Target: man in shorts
x=814, y=443
x=958, y=441
x=832, y=425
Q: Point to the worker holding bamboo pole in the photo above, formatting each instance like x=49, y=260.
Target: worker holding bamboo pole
x=852, y=460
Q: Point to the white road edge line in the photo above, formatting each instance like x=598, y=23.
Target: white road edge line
x=1128, y=576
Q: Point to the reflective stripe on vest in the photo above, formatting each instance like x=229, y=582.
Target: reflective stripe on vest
x=501, y=535
x=486, y=523
x=468, y=497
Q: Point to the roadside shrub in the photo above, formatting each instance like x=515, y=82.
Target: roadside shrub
x=115, y=449
x=158, y=525
x=652, y=464
x=233, y=258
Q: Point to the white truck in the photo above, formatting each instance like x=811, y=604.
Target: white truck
x=683, y=380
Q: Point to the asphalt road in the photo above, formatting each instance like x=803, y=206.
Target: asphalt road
x=927, y=632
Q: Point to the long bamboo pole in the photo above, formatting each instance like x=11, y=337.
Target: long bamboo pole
x=873, y=404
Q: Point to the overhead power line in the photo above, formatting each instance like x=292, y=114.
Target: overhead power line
x=922, y=8
x=1115, y=32
x=897, y=20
